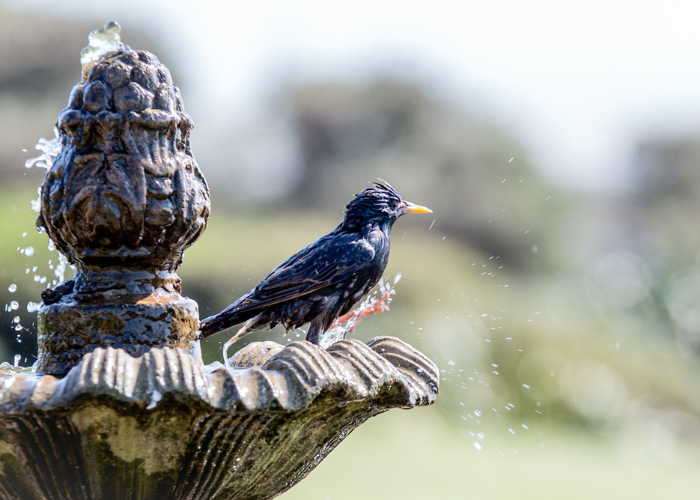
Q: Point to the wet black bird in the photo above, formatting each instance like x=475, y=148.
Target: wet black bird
x=324, y=280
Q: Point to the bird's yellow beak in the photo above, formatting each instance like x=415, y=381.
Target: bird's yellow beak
x=408, y=207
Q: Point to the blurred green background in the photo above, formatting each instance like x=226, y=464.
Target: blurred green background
x=560, y=300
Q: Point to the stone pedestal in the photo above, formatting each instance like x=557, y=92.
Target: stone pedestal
x=122, y=201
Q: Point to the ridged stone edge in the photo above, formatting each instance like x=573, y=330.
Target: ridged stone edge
x=268, y=377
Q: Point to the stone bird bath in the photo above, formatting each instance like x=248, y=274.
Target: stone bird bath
x=119, y=405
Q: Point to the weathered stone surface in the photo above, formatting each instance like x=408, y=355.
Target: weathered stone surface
x=161, y=425
x=68, y=332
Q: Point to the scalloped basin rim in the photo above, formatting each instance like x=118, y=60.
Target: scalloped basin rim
x=269, y=377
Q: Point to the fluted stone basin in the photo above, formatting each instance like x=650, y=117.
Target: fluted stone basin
x=162, y=425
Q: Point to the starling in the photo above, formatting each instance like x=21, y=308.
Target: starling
x=324, y=280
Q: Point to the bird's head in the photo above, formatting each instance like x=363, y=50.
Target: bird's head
x=380, y=203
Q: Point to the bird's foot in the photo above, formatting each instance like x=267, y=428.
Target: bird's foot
x=367, y=308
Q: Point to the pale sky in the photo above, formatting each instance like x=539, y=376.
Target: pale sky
x=577, y=83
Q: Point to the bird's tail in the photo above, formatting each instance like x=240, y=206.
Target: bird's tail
x=231, y=316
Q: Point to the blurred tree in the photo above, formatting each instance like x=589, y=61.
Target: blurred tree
x=668, y=194
x=668, y=191
x=39, y=64
x=458, y=165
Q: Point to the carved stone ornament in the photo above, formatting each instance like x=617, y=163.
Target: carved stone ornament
x=122, y=201
x=163, y=426
x=119, y=405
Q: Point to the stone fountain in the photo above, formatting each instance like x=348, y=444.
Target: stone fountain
x=119, y=404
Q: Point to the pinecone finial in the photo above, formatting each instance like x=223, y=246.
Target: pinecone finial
x=124, y=197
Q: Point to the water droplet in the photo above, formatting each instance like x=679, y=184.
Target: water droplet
x=15, y=319
x=511, y=431
x=477, y=446
x=14, y=305
x=12, y=288
x=18, y=357
x=29, y=251
x=33, y=306
x=526, y=386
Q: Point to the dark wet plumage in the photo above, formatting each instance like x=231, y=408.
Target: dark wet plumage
x=326, y=279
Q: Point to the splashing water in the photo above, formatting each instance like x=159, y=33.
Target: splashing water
x=49, y=149
x=60, y=270
x=101, y=42
x=372, y=304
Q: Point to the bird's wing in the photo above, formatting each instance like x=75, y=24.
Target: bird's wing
x=327, y=261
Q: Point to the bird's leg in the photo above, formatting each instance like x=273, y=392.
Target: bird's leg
x=228, y=344
x=372, y=307
x=242, y=332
